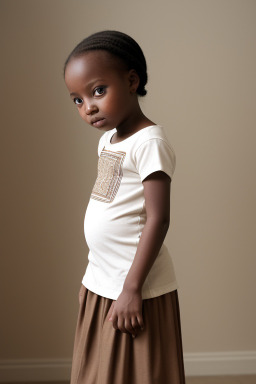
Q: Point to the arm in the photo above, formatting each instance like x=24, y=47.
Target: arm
x=126, y=312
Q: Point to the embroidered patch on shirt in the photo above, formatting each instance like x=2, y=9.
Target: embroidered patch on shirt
x=109, y=175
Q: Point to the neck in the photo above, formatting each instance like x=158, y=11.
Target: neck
x=134, y=122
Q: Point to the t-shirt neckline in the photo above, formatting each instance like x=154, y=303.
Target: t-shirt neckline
x=120, y=142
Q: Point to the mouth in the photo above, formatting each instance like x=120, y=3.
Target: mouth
x=98, y=122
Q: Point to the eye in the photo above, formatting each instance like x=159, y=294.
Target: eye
x=99, y=91
x=77, y=98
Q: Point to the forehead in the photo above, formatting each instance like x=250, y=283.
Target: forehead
x=93, y=64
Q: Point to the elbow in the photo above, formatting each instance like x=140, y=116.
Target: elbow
x=160, y=222
x=166, y=224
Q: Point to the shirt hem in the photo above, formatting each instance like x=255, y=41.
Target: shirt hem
x=146, y=294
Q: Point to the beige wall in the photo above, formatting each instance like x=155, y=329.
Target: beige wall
x=202, y=85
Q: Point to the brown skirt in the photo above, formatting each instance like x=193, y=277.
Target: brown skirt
x=104, y=355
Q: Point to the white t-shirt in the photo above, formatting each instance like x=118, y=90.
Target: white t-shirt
x=116, y=215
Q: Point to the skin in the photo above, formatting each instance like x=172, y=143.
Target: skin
x=103, y=88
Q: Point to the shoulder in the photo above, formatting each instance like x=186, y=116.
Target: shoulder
x=154, y=134
x=154, y=152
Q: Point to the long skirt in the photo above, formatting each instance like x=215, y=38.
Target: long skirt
x=105, y=355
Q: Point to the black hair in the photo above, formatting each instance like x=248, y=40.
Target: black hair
x=120, y=45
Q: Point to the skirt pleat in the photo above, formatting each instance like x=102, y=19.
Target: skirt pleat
x=104, y=355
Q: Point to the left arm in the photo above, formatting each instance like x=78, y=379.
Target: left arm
x=126, y=311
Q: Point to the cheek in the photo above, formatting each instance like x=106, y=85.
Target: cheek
x=109, y=106
x=117, y=104
x=82, y=114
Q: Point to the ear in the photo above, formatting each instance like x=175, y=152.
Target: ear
x=134, y=80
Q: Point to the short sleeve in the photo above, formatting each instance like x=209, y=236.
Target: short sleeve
x=155, y=155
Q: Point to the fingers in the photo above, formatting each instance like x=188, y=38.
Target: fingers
x=137, y=323
x=123, y=325
x=128, y=325
x=140, y=321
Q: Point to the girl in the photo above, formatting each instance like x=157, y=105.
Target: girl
x=128, y=328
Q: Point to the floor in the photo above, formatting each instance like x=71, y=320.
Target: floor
x=246, y=379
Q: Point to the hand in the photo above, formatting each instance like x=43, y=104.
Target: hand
x=126, y=312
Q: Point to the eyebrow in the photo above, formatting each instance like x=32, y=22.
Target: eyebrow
x=88, y=85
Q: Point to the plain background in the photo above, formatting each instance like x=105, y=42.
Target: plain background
x=201, y=59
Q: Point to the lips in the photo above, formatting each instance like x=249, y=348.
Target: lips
x=98, y=121
x=95, y=119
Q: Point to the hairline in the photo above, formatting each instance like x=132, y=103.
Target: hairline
x=122, y=65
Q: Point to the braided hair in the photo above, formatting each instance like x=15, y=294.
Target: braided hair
x=118, y=44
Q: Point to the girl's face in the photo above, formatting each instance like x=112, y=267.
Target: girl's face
x=103, y=90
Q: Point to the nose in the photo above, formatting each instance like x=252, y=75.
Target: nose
x=90, y=108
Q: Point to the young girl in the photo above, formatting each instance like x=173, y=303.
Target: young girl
x=128, y=329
